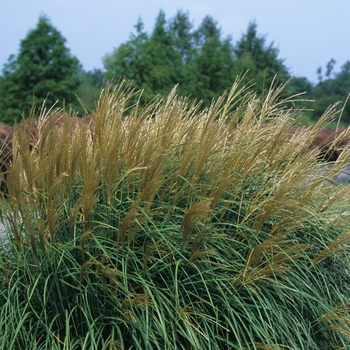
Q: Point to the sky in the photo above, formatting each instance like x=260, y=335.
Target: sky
x=308, y=33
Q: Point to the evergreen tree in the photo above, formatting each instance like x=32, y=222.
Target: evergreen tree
x=202, y=62
x=165, y=66
x=184, y=43
x=43, y=70
x=89, y=90
x=130, y=61
x=327, y=85
x=332, y=88
x=199, y=61
x=260, y=59
x=343, y=80
x=214, y=62
x=152, y=62
x=300, y=85
x=181, y=29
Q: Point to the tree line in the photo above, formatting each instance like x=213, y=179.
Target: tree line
x=200, y=60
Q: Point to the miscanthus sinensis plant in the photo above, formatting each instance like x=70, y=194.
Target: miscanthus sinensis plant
x=175, y=228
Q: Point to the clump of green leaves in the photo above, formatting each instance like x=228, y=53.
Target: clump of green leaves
x=174, y=228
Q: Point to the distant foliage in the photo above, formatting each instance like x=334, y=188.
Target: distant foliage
x=201, y=60
x=90, y=83
x=332, y=88
x=43, y=71
x=259, y=59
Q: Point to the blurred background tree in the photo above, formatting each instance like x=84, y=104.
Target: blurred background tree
x=259, y=59
x=43, y=70
x=130, y=60
x=332, y=87
x=214, y=62
x=200, y=60
x=90, y=83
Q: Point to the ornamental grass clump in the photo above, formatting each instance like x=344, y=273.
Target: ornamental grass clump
x=167, y=226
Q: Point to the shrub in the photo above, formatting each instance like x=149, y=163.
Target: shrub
x=174, y=228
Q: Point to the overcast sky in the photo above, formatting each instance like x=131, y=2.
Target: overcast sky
x=308, y=33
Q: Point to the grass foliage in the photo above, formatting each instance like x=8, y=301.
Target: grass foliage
x=175, y=228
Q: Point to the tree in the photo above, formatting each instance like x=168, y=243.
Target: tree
x=43, y=71
x=201, y=61
x=329, y=70
x=261, y=59
x=300, y=85
x=165, y=62
x=129, y=60
x=214, y=62
x=343, y=79
x=181, y=29
x=89, y=90
x=183, y=38
x=331, y=90
x=150, y=61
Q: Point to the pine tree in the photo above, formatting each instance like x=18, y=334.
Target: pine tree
x=184, y=44
x=164, y=61
x=214, y=62
x=151, y=62
x=129, y=60
x=259, y=59
x=44, y=70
